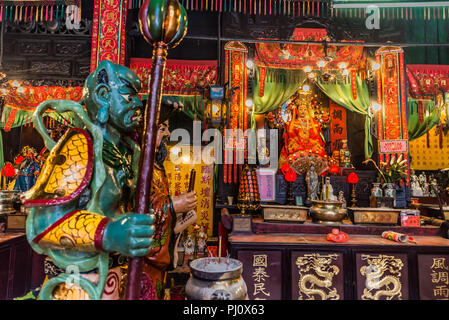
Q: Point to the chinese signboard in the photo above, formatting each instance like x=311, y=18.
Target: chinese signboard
x=433, y=277
x=266, y=181
x=179, y=176
x=262, y=274
x=337, y=124
x=393, y=146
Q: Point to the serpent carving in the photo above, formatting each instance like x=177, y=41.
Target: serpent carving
x=378, y=283
x=320, y=283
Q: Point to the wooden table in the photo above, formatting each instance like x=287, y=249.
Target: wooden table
x=295, y=261
x=21, y=269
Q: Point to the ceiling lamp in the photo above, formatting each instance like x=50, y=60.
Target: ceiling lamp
x=308, y=69
x=342, y=65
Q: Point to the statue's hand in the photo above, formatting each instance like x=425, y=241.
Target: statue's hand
x=130, y=235
x=185, y=202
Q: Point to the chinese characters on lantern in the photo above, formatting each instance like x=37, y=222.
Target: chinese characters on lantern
x=260, y=263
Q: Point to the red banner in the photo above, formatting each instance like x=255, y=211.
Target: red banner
x=180, y=76
x=108, y=32
x=295, y=56
x=338, y=129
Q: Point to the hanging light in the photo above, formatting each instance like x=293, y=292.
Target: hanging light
x=342, y=65
x=376, y=66
x=308, y=69
x=377, y=107
x=321, y=63
x=15, y=83
x=306, y=88
x=312, y=75
x=249, y=64
x=20, y=90
x=345, y=72
x=249, y=103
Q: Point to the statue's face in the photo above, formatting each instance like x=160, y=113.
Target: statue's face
x=162, y=133
x=125, y=111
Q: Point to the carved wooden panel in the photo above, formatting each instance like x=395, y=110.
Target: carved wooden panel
x=382, y=276
x=317, y=276
x=262, y=272
x=433, y=273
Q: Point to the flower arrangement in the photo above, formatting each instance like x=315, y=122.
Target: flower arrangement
x=392, y=172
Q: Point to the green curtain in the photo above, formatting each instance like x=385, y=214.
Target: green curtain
x=23, y=116
x=277, y=91
x=341, y=94
x=415, y=128
x=193, y=104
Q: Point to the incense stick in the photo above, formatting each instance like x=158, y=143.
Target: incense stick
x=219, y=249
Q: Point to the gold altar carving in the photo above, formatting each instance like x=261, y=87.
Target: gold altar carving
x=383, y=275
x=316, y=273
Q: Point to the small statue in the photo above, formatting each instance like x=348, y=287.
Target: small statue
x=433, y=188
x=345, y=155
x=202, y=240
x=423, y=184
x=312, y=184
x=341, y=198
x=189, y=245
x=28, y=170
x=414, y=184
x=328, y=191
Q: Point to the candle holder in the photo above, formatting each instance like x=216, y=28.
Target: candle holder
x=353, y=179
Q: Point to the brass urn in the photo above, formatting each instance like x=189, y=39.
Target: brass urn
x=327, y=212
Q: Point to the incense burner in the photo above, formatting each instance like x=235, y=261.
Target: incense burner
x=216, y=279
x=327, y=212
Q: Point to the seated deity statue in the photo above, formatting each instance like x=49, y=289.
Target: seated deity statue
x=303, y=142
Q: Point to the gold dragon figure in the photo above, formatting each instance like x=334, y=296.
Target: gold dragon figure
x=378, y=284
x=310, y=284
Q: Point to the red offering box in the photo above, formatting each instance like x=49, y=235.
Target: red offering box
x=410, y=220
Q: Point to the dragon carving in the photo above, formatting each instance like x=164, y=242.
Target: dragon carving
x=378, y=282
x=312, y=286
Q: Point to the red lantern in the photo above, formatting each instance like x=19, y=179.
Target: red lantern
x=290, y=176
x=353, y=178
x=285, y=168
x=334, y=169
x=8, y=170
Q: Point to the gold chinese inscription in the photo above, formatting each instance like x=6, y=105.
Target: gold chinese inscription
x=382, y=277
x=439, y=274
x=260, y=263
x=316, y=273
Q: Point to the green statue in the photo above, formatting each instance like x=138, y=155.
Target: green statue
x=80, y=205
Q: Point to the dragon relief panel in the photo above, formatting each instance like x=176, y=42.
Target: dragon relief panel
x=316, y=276
x=382, y=274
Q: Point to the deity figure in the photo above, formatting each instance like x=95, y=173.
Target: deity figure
x=302, y=138
x=171, y=217
x=312, y=184
x=81, y=205
x=189, y=245
x=341, y=198
x=202, y=240
x=416, y=190
x=345, y=155
x=328, y=191
x=28, y=169
x=433, y=187
x=422, y=179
